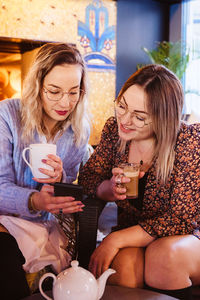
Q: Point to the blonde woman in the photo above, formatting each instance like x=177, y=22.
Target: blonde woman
x=53, y=109
x=157, y=238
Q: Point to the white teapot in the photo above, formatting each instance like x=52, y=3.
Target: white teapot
x=76, y=283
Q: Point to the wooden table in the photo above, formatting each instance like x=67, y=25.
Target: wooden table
x=118, y=293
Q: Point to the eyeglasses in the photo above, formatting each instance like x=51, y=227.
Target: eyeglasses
x=121, y=110
x=57, y=95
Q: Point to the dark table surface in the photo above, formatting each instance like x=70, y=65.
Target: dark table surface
x=118, y=293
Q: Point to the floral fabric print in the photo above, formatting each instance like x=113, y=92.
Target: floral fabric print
x=169, y=209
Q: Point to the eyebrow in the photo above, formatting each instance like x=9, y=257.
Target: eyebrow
x=55, y=86
x=137, y=111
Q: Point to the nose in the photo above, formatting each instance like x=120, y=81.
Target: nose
x=64, y=100
x=127, y=119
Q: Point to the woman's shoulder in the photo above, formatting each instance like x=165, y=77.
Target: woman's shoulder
x=110, y=130
x=188, y=141
x=87, y=126
x=10, y=116
x=189, y=132
x=111, y=126
x=9, y=106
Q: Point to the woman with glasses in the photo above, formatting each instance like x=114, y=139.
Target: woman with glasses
x=53, y=109
x=156, y=240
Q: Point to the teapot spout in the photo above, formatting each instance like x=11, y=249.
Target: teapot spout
x=101, y=281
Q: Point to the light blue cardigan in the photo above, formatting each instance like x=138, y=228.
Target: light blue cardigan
x=16, y=182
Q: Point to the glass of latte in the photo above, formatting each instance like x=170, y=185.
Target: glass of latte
x=131, y=170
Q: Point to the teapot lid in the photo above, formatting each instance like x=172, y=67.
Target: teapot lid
x=76, y=270
x=74, y=263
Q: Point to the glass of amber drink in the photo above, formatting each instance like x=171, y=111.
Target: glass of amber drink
x=131, y=170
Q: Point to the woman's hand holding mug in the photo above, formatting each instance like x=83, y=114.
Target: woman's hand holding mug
x=46, y=167
x=55, y=175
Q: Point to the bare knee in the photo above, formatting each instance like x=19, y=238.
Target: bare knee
x=164, y=264
x=160, y=253
x=129, y=266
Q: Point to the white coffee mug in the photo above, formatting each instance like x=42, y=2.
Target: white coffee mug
x=37, y=152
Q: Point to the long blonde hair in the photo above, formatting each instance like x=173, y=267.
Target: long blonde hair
x=48, y=56
x=164, y=104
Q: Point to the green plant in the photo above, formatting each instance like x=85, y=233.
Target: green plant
x=174, y=56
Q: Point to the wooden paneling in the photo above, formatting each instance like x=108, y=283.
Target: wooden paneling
x=13, y=45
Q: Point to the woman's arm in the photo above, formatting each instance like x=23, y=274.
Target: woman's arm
x=99, y=166
x=104, y=254
x=14, y=191
x=179, y=210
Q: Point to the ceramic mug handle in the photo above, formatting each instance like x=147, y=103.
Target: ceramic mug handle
x=24, y=157
x=40, y=284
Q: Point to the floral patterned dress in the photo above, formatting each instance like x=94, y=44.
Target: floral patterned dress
x=170, y=209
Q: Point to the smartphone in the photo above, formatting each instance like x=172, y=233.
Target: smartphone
x=68, y=189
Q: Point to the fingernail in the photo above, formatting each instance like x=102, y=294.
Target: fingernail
x=44, y=161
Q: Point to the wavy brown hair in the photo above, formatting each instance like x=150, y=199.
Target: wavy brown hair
x=49, y=56
x=164, y=104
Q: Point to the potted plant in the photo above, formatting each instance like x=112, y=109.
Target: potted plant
x=174, y=56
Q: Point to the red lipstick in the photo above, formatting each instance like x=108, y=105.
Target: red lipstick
x=61, y=112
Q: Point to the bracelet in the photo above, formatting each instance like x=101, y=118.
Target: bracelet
x=31, y=206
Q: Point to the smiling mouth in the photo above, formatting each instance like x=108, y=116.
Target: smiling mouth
x=61, y=112
x=125, y=129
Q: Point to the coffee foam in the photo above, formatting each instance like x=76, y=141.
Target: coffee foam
x=131, y=174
